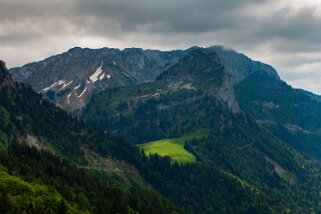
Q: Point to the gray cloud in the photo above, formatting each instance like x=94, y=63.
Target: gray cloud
x=188, y=16
x=284, y=33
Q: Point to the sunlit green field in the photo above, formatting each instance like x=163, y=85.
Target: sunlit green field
x=174, y=147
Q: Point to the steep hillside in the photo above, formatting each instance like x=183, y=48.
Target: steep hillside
x=291, y=114
x=195, y=95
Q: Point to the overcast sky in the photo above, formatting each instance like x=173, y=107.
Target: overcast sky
x=283, y=33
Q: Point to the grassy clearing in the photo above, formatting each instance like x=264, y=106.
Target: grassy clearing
x=174, y=147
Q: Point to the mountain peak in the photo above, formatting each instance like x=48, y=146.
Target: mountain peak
x=201, y=53
x=74, y=49
x=239, y=66
x=197, y=64
x=202, y=69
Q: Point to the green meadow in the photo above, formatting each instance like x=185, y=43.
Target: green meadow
x=173, y=147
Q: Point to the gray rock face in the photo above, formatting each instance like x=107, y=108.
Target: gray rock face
x=70, y=79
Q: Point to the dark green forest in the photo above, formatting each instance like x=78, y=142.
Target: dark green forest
x=289, y=113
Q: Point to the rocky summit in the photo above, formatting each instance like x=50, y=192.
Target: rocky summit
x=69, y=79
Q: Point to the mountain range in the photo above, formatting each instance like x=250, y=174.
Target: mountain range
x=69, y=79
x=253, y=141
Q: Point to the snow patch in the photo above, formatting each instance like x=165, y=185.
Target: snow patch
x=101, y=76
x=156, y=94
x=188, y=86
x=46, y=89
x=68, y=97
x=94, y=77
x=60, y=82
x=75, y=88
x=126, y=75
x=82, y=93
x=65, y=85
